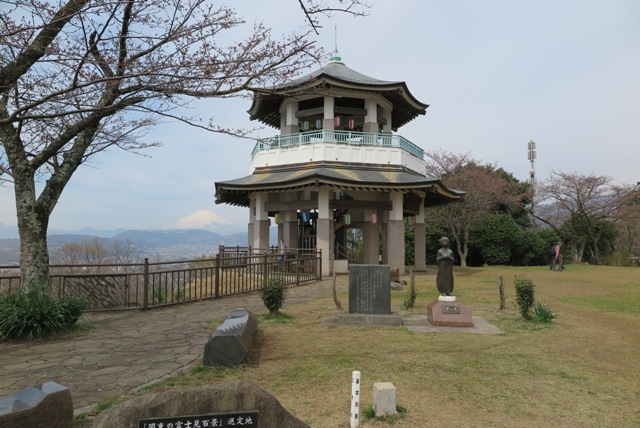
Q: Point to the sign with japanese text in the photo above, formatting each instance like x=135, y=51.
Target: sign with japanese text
x=369, y=289
x=451, y=309
x=226, y=420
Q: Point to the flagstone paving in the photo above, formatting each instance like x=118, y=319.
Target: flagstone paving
x=125, y=350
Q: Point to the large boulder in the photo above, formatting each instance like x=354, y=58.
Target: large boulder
x=203, y=400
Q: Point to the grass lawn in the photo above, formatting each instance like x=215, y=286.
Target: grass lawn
x=579, y=371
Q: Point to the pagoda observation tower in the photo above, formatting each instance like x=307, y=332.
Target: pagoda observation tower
x=337, y=163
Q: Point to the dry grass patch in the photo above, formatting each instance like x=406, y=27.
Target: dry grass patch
x=581, y=370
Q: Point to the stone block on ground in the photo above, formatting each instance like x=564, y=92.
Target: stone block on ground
x=232, y=340
x=453, y=314
x=212, y=400
x=369, y=319
x=49, y=405
x=384, y=399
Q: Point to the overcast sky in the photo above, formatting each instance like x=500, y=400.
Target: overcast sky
x=496, y=74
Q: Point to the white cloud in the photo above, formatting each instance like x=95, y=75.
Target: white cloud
x=201, y=219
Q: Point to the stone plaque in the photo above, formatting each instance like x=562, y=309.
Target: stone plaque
x=369, y=289
x=451, y=309
x=235, y=419
x=453, y=314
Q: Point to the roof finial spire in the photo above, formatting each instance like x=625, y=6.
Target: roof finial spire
x=335, y=56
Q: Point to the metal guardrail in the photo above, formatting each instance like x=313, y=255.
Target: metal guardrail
x=339, y=137
x=154, y=284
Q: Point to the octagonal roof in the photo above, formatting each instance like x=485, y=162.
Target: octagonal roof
x=336, y=75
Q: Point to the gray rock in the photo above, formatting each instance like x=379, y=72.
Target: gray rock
x=49, y=405
x=231, y=341
x=396, y=286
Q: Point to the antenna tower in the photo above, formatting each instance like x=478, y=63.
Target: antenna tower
x=531, y=152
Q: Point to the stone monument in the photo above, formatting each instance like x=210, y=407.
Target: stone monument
x=369, y=297
x=369, y=289
x=223, y=405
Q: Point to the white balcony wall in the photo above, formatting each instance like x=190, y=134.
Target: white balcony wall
x=332, y=152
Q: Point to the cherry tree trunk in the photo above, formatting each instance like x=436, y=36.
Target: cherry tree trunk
x=33, y=223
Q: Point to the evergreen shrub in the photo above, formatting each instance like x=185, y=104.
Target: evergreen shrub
x=524, y=295
x=273, y=293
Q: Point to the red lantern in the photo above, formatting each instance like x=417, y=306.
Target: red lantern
x=336, y=121
x=352, y=123
x=374, y=218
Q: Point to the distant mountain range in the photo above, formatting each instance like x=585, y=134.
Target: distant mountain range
x=152, y=244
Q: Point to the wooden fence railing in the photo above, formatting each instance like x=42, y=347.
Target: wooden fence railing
x=153, y=284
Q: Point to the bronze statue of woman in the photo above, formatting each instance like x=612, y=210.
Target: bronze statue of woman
x=444, y=260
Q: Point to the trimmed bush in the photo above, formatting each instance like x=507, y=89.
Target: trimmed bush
x=524, y=295
x=34, y=314
x=273, y=293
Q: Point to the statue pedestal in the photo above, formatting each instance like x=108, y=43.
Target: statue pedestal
x=453, y=314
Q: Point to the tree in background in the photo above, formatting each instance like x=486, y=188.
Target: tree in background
x=627, y=242
x=96, y=252
x=577, y=207
x=488, y=192
x=81, y=77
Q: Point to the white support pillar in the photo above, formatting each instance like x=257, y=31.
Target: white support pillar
x=290, y=235
x=387, y=126
x=289, y=221
x=384, y=224
x=395, y=233
x=280, y=225
x=323, y=230
x=420, y=250
x=370, y=239
x=288, y=119
x=252, y=220
x=261, y=221
x=371, y=118
x=329, y=108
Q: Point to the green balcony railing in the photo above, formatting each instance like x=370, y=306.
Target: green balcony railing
x=339, y=137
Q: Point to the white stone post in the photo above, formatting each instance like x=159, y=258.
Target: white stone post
x=355, y=399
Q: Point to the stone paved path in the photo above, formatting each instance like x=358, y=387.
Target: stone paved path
x=125, y=350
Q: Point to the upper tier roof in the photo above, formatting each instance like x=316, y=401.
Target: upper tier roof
x=336, y=75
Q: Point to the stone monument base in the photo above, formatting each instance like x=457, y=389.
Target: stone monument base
x=369, y=319
x=452, y=314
